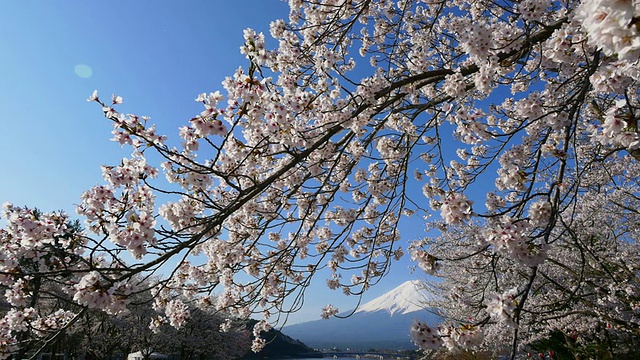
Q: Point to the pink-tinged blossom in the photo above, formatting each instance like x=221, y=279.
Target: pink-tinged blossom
x=427, y=262
x=96, y=292
x=51, y=323
x=92, y=291
x=18, y=294
x=513, y=239
x=464, y=337
x=177, y=312
x=205, y=126
x=115, y=99
x=258, y=341
x=532, y=10
x=456, y=208
x=19, y=319
x=258, y=344
x=8, y=344
x=424, y=336
x=94, y=96
x=608, y=25
x=329, y=311
x=616, y=130
x=613, y=125
x=501, y=307
x=540, y=213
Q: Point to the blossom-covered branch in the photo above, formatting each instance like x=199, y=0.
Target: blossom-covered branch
x=511, y=127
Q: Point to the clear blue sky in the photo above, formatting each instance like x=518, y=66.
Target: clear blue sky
x=158, y=55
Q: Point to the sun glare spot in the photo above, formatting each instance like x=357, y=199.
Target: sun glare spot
x=83, y=71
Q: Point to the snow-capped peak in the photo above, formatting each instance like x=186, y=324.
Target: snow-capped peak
x=406, y=298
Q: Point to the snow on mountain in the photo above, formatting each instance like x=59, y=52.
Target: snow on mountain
x=406, y=298
x=382, y=323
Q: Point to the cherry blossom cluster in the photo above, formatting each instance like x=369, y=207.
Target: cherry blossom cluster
x=255, y=47
x=46, y=325
x=8, y=344
x=94, y=291
x=206, y=123
x=19, y=321
x=329, y=311
x=123, y=209
x=427, y=262
x=128, y=129
x=259, y=342
x=619, y=127
x=303, y=161
x=177, y=312
x=424, y=336
x=28, y=231
x=35, y=243
x=456, y=208
x=461, y=338
x=540, y=213
x=611, y=25
x=501, y=307
x=11, y=324
x=513, y=239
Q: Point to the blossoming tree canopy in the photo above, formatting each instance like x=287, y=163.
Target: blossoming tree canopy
x=516, y=120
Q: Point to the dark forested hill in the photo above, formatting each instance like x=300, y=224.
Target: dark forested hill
x=280, y=345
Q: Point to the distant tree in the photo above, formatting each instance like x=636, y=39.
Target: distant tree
x=314, y=156
x=200, y=337
x=40, y=253
x=99, y=335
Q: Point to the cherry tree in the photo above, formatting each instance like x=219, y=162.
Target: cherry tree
x=101, y=335
x=40, y=253
x=510, y=127
x=585, y=289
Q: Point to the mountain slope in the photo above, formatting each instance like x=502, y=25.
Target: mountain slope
x=382, y=323
x=405, y=299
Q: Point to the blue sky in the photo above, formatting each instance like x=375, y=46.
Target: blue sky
x=157, y=55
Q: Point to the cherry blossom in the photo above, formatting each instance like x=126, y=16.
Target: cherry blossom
x=501, y=307
x=329, y=311
x=517, y=120
x=424, y=336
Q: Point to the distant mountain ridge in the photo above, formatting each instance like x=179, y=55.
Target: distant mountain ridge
x=382, y=323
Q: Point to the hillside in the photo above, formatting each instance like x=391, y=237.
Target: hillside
x=280, y=345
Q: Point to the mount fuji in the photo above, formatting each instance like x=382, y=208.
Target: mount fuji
x=382, y=323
